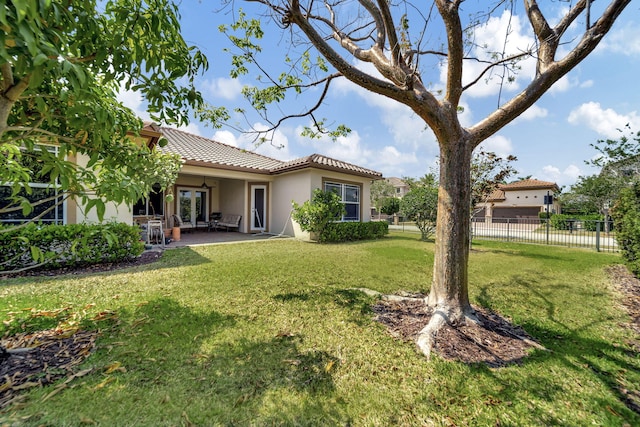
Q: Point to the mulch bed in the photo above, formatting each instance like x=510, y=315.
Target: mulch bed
x=42, y=358
x=145, y=258
x=499, y=342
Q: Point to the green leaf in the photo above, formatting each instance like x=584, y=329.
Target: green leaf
x=36, y=253
x=40, y=59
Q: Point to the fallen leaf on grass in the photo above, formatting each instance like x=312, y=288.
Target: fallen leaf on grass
x=329, y=365
x=26, y=385
x=103, y=384
x=79, y=374
x=54, y=392
x=115, y=366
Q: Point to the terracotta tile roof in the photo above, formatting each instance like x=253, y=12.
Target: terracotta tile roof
x=497, y=196
x=202, y=151
x=327, y=163
x=199, y=150
x=529, y=184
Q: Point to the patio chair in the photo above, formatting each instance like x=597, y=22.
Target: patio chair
x=178, y=222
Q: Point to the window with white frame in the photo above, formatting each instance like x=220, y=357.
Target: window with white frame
x=46, y=197
x=350, y=197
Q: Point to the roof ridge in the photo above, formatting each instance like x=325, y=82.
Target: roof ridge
x=221, y=143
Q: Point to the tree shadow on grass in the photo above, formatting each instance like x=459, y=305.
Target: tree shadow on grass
x=217, y=377
x=524, y=254
x=578, y=350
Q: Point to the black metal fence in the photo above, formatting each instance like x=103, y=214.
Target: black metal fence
x=596, y=235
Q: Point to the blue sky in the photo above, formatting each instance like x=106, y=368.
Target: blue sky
x=551, y=140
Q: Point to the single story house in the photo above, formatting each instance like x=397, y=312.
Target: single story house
x=220, y=178
x=523, y=199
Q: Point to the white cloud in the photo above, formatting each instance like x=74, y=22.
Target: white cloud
x=277, y=146
x=221, y=87
x=391, y=162
x=404, y=126
x=566, y=177
x=534, y=112
x=564, y=84
x=134, y=101
x=498, y=144
x=586, y=84
x=190, y=128
x=347, y=148
x=489, y=40
x=226, y=137
x=605, y=122
x=625, y=41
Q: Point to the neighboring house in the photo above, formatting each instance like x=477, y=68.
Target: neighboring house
x=401, y=187
x=216, y=177
x=523, y=199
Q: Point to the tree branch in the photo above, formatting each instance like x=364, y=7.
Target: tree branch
x=450, y=15
x=549, y=73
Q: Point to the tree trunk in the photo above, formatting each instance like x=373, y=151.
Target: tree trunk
x=449, y=294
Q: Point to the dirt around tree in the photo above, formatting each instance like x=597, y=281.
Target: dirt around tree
x=498, y=342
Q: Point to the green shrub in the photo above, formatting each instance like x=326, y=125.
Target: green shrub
x=350, y=231
x=323, y=208
x=560, y=221
x=591, y=221
x=54, y=246
x=544, y=216
x=626, y=215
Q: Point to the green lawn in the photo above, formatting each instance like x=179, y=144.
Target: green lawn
x=271, y=333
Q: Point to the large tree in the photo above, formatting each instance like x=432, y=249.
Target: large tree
x=62, y=63
x=401, y=41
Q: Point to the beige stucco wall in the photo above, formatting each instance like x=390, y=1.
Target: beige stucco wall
x=524, y=198
x=298, y=186
x=113, y=211
x=284, y=190
x=232, y=199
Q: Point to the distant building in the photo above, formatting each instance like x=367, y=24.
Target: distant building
x=401, y=187
x=523, y=199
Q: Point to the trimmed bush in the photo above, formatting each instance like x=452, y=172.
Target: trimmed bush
x=335, y=232
x=626, y=215
x=54, y=246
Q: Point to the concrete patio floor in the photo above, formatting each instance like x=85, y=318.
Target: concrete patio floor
x=199, y=237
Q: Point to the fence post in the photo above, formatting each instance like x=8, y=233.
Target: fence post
x=508, y=227
x=597, y=236
x=547, y=220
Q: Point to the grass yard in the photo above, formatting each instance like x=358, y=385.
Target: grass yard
x=271, y=333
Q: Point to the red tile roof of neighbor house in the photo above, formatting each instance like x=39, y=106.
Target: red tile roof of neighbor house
x=530, y=184
x=499, y=195
x=197, y=150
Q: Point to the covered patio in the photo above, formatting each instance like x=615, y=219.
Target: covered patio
x=199, y=237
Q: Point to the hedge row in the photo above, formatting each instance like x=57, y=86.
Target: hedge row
x=563, y=222
x=54, y=246
x=626, y=214
x=335, y=232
